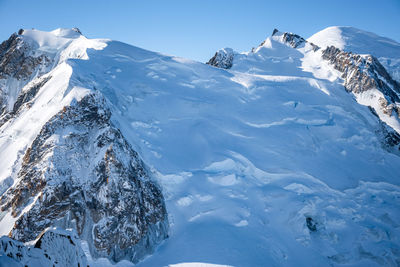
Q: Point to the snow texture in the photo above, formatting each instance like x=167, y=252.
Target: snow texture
x=358, y=41
x=270, y=162
x=54, y=247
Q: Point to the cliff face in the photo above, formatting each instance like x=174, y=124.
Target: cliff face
x=363, y=75
x=17, y=60
x=81, y=173
x=18, y=65
x=85, y=140
x=222, y=59
x=45, y=251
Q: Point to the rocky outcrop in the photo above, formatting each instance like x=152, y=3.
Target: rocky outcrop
x=391, y=137
x=222, y=59
x=54, y=247
x=17, y=62
x=29, y=93
x=25, y=98
x=293, y=40
x=81, y=173
x=362, y=73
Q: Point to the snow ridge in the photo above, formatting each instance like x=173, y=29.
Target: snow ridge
x=270, y=161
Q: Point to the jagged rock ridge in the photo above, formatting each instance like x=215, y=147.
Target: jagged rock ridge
x=104, y=191
x=222, y=59
x=17, y=62
x=229, y=147
x=360, y=73
x=79, y=172
x=363, y=73
x=293, y=40
x=54, y=247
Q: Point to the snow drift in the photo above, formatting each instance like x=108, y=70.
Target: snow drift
x=267, y=157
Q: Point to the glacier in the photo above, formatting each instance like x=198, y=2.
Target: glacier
x=265, y=159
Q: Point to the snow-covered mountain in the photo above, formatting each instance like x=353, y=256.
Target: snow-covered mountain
x=283, y=155
x=354, y=40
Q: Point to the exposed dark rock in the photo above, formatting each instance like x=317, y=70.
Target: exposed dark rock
x=77, y=30
x=46, y=250
x=24, y=99
x=311, y=224
x=391, y=139
x=15, y=60
x=28, y=94
x=222, y=59
x=95, y=184
x=294, y=40
x=362, y=73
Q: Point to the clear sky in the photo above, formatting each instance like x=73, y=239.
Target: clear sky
x=196, y=29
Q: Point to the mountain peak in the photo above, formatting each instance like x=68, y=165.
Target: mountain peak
x=223, y=58
x=95, y=133
x=67, y=33
x=355, y=40
x=350, y=39
x=288, y=38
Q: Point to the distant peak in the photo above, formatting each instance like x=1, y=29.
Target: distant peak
x=223, y=58
x=67, y=33
x=76, y=29
x=288, y=38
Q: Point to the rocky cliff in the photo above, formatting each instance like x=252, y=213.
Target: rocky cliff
x=362, y=75
x=79, y=172
x=54, y=247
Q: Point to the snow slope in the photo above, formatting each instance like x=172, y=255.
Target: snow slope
x=245, y=156
x=362, y=42
x=269, y=163
x=16, y=136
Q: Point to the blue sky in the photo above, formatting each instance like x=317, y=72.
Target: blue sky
x=196, y=29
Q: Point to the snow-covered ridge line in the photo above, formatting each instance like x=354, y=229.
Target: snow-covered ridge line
x=369, y=81
x=30, y=54
x=292, y=39
x=366, y=78
x=360, y=73
x=45, y=251
x=223, y=58
x=47, y=111
x=104, y=180
x=268, y=162
x=350, y=39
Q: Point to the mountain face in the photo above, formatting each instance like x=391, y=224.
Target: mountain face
x=103, y=191
x=363, y=75
x=78, y=171
x=284, y=155
x=349, y=39
x=55, y=247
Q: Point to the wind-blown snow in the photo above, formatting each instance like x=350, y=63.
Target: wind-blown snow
x=362, y=42
x=357, y=41
x=247, y=157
